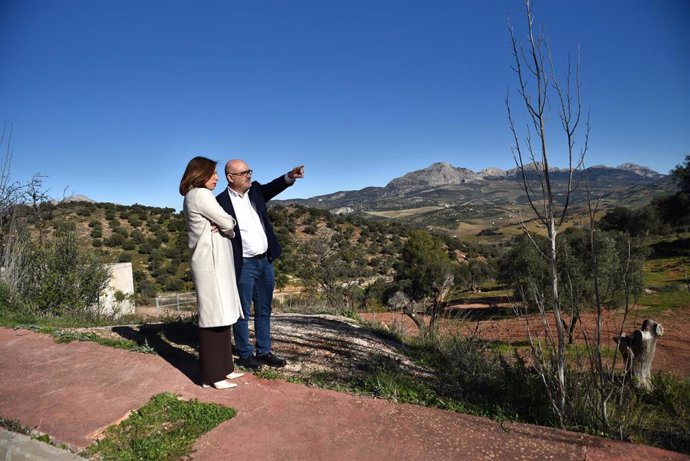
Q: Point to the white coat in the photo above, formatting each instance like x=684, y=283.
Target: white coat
x=213, y=269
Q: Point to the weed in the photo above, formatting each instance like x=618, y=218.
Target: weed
x=14, y=426
x=269, y=373
x=666, y=421
x=165, y=428
x=351, y=315
x=66, y=336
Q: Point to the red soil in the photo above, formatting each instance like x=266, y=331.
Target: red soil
x=672, y=350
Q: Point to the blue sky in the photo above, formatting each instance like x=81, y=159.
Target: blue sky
x=111, y=99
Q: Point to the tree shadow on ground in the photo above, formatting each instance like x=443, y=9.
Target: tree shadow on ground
x=175, y=342
x=676, y=248
x=480, y=313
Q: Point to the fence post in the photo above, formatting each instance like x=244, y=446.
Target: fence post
x=158, y=308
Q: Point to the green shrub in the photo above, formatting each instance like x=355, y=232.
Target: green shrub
x=115, y=240
x=62, y=277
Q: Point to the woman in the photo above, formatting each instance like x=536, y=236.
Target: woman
x=209, y=229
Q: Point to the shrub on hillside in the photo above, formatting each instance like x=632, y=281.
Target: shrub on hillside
x=61, y=277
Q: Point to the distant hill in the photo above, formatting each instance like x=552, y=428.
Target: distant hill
x=73, y=199
x=442, y=183
x=79, y=198
x=154, y=240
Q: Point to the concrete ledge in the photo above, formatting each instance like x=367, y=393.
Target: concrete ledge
x=19, y=447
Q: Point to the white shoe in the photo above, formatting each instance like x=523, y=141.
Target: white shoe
x=220, y=385
x=235, y=375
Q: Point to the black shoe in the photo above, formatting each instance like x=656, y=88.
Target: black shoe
x=271, y=360
x=249, y=362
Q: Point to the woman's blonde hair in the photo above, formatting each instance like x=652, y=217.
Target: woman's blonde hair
x=198, y=171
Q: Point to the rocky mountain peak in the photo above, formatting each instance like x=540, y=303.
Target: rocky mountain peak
x=492, y=172
x=639, y=169
x=436, y=174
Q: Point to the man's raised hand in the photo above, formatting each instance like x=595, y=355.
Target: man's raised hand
x=297, y=172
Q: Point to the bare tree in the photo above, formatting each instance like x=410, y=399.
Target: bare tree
x=12, y=240
x=10, y=191
x=40, y=206
x=538, y=86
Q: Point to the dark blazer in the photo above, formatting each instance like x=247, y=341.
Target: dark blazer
x=259, y=194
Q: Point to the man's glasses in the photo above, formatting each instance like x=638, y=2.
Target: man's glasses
x=246, y=174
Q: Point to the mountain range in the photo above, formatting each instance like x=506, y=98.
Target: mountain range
x=442, y=193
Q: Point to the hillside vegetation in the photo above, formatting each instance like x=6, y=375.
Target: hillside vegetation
x=154, y=240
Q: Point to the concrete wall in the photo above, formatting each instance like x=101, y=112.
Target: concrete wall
x=121, y=280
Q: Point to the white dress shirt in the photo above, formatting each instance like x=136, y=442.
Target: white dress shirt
x=254, y=241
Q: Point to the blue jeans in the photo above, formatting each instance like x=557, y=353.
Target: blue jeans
x=256, y=283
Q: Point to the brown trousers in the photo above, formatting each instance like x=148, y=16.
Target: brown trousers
x=215, y=353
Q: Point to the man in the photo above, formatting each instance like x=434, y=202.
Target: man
x=255, y=246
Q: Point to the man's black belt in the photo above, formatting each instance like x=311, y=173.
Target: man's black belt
x=261, y=256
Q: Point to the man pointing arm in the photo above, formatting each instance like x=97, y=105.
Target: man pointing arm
x=255, y=246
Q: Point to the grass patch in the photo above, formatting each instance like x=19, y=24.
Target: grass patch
x=661, y=272
x=14, y=426
x=488, y=293
x=661, y=301
x=66, y=336
x=21, y=318
x=667, y=408
x=269, y=373
x=165, y=428
x=665, y=283
x=506, y=347
x=381, y=377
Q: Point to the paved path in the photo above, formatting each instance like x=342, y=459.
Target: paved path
x=73, y=391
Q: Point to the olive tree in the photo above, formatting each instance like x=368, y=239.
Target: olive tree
x=617, y=273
